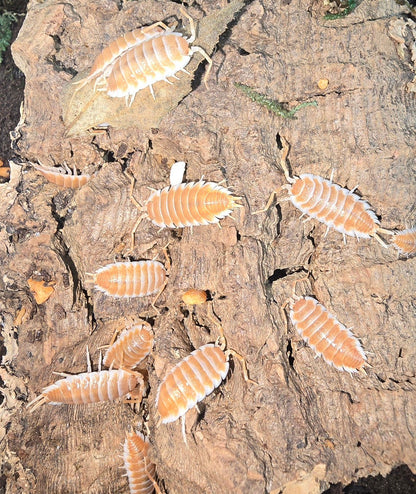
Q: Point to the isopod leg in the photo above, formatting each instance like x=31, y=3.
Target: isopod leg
x=283, y=159
x=138, y=206
x=269, y=202
x=151, y=478
x=243, y=364
x=183, y=430
x=207, y=58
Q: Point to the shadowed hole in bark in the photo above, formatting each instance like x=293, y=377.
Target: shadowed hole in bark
x=289, y=352
x=243, y=52
x=399, y=481
x=278, y=274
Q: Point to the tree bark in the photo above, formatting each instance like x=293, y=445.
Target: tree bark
x=304, y=424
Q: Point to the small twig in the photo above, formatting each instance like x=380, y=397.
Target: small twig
x=271, y=104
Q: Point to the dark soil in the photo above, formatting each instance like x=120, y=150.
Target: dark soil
x=399, y=481
x=12, y=83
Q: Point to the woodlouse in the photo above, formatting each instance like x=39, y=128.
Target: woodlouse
x=186, y=205
x=131, y=279
x=326, y=336
x=194, y=378
x=89, y=387
x=140, y=471
x=132, y=346
x=405, y=241
x=335, y=206
x=62, y=177
x=141, y=58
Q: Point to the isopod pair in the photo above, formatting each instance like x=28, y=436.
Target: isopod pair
x=124, y=354
x=141, y=58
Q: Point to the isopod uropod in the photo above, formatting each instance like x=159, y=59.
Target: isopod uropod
x=328, y=337
x=89, y=387
x=131, y=279
x=186, y=204
x=141, y=58
x=132, y=346
x=140, y=471
x=335, y=206
x=63, y=177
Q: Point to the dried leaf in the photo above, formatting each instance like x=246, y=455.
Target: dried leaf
x=41, y=289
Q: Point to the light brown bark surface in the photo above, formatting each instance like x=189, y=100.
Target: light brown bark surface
x=304, y=424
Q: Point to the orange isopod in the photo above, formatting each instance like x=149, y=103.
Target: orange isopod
x=63, y=177
x=133, y=345
x=335, y=206
x=89, y=387
x=190, y=204
x=190, y=381
x=141, y=58
x=140, y=471
x=405, y=241
x=328, y=337
x=131, y=279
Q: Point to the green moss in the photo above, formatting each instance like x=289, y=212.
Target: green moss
x=271, y=104
x=6, y=21
x=348, y=7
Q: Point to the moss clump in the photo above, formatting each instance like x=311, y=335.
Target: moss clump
x=6, y=21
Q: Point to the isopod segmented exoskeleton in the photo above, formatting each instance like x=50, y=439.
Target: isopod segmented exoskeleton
x=132, y=346
x=131, y=279
x=194, y=378
x=140, y=471
x=405, y=241
x=141, y=58
x=90, y=387
x=63, y=177
x=335, y=206
x=189, y=204
x=326, y=336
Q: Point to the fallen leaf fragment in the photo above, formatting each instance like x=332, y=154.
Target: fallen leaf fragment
x=41, y=290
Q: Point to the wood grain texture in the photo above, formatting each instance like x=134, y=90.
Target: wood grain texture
x=303, y=413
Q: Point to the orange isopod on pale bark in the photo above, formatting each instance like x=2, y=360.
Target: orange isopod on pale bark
x=332, y=205
x=190, y=381
x=140, y=471
x=63, y=177
x=141, y=58
x=89, y=387
x=328, y=337
x=133, y=345
x=190, y=204
x=131, y=279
